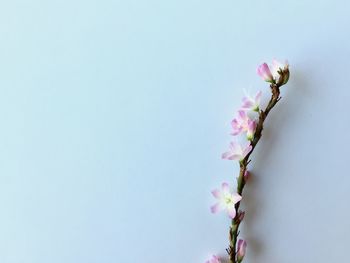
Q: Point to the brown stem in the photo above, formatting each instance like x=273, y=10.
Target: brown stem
x=234, y=229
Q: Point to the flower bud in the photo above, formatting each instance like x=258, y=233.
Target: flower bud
x=251, y=130
x=242, y=245
x=264, y=72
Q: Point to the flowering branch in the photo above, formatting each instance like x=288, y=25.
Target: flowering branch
x=229, y=200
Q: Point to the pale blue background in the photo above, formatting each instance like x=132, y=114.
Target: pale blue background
x=114, y=115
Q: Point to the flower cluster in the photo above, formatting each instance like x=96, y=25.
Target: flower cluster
x=247, y=121
x=244, y=123
x=278, y=73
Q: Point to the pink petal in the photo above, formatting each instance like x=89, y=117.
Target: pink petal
x=258, y=97
x=236, y=198
x=216, y=193
x=234, y=153
x=234, y=146
x=234, y=124
x=242, y=114
x=251, y=126
x=235, y=157
x=225, y=188
x=236, y=132
x=247, y=102
x=215, y=208
x=237, y=129
x=226, y=155
x=247, y=150
x=231, y=211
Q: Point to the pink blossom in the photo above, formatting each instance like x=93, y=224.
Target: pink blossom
x=236, y=151
x=242, y=245
x=265, y=73
x=226, y=200
x=243, y=123
x=277, y=67
x=240, y=123
x=249, y=103
x=214, y=259
x=251, y=130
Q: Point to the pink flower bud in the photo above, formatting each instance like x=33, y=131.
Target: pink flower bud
x=265, y=73
x=242, y=245
x=251, y=129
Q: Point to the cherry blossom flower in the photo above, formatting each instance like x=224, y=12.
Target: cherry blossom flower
x=226, y=200
x=243, y=123
x=242, y=245
x=265, y=73
x=249, y=103
x=236, y=151
x=214, y=259
x=240, y=123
